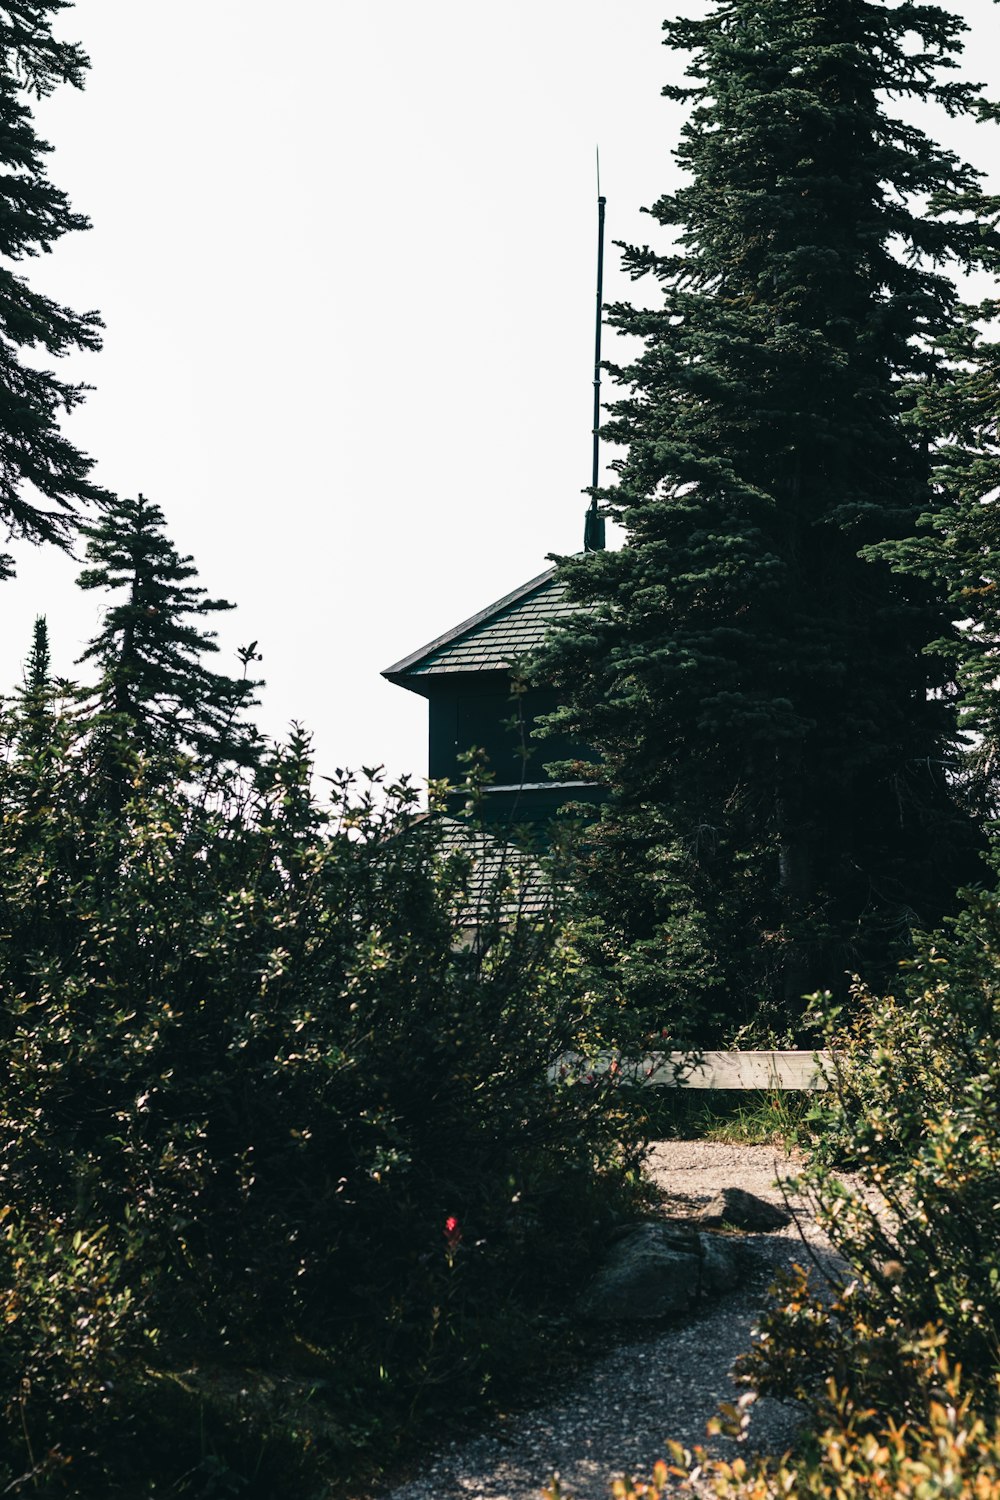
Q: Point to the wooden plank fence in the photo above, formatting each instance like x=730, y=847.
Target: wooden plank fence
x=756, y=1070
x=713, y=1070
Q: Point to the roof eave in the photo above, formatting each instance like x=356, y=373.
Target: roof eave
x=401, y=671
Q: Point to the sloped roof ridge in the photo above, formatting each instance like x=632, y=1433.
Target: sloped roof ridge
x=400, y=668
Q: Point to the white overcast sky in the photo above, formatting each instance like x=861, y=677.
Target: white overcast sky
x=344, y=250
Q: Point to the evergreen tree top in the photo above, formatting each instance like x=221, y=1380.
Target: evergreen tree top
x=799, y=169
x=151, y=646
x=43, y=477
x=810, y=270
x=776, y=740
x=38, y=667
x=34, y=699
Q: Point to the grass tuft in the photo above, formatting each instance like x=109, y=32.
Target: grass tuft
x=738, y=1117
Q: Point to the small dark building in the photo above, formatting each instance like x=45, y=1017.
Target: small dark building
x=468, y=677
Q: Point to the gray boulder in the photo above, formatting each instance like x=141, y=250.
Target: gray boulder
x=722, y=1264
x=654, y=1270
x=742, y=1210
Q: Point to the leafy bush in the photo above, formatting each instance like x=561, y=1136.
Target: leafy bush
x=245, y=1053
x=71, y=1332
x=916, y=1111
x=922, y=1052
x=896, y=1356
x=949, y=1449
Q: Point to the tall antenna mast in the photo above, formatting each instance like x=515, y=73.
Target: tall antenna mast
x=593, y=532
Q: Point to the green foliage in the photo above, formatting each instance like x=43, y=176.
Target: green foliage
x=895, y=1353
x=71, y=1332
x=748, y=1117
x=247, y=1054
x=955, y=413
x=916, y=1112
x=155, y=692
x=948, y=1448
x=42, y=476
x=35, y=698
x=777, y=745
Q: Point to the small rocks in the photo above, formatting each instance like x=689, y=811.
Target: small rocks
x=655, y=1270
x=739, y=1209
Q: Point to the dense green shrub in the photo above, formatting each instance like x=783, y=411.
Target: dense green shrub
x=896, y=1354
x=916, y=1112
x=71, y=1332
x=246, y=1053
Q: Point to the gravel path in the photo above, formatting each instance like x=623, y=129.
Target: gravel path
x=618, y=1413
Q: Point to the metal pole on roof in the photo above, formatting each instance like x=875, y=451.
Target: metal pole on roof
x=593, y=534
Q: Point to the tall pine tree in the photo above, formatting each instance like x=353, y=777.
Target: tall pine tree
x=35, y=710
x=43, y=477
x=155, y=694
x=778, y=745
x=957, y=550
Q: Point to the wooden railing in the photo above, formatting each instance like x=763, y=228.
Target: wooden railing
x=752, y=1070
x=712, y=1070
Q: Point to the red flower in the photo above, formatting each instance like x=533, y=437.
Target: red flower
x=452, y=1236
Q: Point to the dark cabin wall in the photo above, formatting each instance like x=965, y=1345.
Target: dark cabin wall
x=467, y=684
x=478, y=709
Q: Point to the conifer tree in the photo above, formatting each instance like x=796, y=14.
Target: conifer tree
x=43, y=738
x=34, y=707
x=155, y=694
x=43, y=477
x=957, y=549
x=778, y=744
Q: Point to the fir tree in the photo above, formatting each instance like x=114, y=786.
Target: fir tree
x=957, y=414
x=42, y=736
x=34, y=707
x=777, y=744
x=42, y=475
x=155, y=694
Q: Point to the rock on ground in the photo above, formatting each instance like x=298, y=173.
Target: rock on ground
x=653, y=1270
x=743, y=1210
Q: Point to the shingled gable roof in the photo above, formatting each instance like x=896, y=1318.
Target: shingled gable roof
x=494, y=638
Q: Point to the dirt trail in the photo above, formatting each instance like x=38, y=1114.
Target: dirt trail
x=618, y=1413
